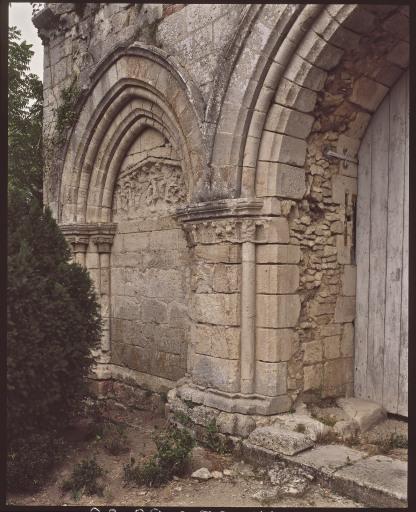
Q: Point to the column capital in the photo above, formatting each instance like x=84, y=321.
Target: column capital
x=78, y=243
x=79, y=235
x=103, y=242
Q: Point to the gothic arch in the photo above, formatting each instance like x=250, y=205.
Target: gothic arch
x=251, y=85
x=134, y=87
x=336, y=44
x=295, y=50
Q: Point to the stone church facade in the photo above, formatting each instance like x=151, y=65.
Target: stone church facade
x=208, y=182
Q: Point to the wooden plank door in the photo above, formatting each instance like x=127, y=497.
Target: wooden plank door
x=381, y=331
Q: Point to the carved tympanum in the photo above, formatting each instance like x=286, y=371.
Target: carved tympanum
x=153, y=186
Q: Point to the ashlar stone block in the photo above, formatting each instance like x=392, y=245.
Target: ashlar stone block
x=347, y=340
x=274, y=231
x=281, y=119
x=399, y=55
x=218, y=308
x=277, y=279
x=332, y=347
x=222, y=374
x=345, y=309
x=216, y=341
x=349, y=280
x=342, y=185
x=295, y=96
x=318, y=52
x=305, y=74
x=226, y=278
x=276, y=147
x=275, y=253
x=335, y=375
x=343, y=251
x=219, y=253
x=312, y=352
x=367, y=93
x=280, y=440
x=271, y=378
x=312, y=377
x=277, y=311
x=274, y=345
x=277, y=179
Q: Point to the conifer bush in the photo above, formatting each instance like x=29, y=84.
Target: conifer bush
x=53, y=323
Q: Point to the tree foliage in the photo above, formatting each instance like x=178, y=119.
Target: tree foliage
x=53, y=319
x=25, y=103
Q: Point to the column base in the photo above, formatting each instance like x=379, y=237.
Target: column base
x=234, y=402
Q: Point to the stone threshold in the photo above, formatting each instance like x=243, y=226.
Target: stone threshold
x=375, y=481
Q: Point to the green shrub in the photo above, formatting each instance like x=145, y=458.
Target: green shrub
x=84, y=479
x=173, y=448
x=52, y=324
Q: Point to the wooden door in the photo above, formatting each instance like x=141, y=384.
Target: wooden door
x=381, y=324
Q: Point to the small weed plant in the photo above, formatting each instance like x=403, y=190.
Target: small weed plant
x=173, y=448
x=213, y=440
x=84, y=479
x=66, y=115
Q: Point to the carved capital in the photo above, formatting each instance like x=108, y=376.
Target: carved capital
x=77, y=243
x=78, y=236
x=103, y=243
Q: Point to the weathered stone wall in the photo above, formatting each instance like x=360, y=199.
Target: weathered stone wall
x=150, y=262
x=77, y=37
x=233, y=252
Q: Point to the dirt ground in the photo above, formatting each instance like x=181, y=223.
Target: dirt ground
x=236, y=489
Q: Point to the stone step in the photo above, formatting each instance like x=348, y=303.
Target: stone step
x=376, y=481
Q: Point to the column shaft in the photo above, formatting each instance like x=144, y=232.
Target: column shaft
x=248, y=316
